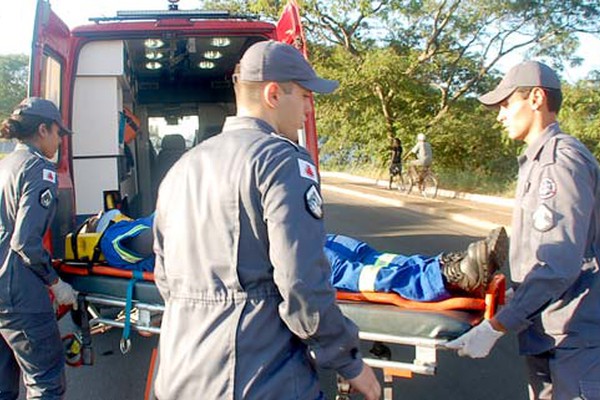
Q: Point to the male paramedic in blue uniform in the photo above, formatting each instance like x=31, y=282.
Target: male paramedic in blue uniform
x=29, y=337
x=554, y=247
x=239, y=237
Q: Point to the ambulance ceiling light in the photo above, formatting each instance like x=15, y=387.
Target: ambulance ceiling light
x=220, y=42
x=213, y=54
x=153, y=65
x=153, y=43
x=154, y=55
x=206, y=65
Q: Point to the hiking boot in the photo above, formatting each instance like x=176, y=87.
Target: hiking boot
x=497, y=244
x=468, y=272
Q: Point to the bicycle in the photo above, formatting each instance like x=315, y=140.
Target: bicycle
x=422, y=177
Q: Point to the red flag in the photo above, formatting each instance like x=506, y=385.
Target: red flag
x=289, y=27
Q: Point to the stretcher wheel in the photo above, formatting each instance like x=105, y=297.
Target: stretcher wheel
x=73, y=345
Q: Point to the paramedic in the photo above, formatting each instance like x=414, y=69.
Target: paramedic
x=555, y=244
x=29, y=336
x=239, y=236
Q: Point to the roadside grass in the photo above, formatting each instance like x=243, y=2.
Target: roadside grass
x=462, y=181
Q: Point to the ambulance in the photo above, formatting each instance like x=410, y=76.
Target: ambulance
x=112, y=77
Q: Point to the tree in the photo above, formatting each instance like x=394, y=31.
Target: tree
x=580, y=112
x=14, y=71
x=453, y=45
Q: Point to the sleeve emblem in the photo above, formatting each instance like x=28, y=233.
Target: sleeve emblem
x=543, y=218
x=46, y=198
x=314, y=202
x=307, y=170
x=49, y=175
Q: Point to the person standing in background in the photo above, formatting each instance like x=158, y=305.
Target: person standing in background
x=396, y=160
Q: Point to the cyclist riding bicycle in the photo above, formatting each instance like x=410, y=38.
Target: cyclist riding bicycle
x=422, y=150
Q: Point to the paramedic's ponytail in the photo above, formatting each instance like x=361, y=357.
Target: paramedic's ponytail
x=22, y=127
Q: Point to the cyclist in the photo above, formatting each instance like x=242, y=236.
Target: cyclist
x=396, y=164
x=422, y=150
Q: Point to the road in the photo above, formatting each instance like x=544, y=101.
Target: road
x=386, y=227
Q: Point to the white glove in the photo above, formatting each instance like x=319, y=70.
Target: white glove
x=476, y=343
x=64, y=293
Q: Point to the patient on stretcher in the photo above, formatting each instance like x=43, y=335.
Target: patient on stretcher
x=356, y=266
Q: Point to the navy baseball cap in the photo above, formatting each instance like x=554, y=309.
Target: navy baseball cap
x=270, y=61
x=526, y=74
x=42, y=108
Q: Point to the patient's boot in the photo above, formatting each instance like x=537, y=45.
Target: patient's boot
x=467, y=272
x=497, y=243
x=472, y=270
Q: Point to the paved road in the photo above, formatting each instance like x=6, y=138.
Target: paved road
x=387, y=227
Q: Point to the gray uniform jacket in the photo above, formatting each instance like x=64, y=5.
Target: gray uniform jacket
x=555, y=247
x=239, y=261
x=27, y=205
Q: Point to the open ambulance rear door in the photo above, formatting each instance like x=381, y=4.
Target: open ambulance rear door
x=50, y=74
x=289, y=30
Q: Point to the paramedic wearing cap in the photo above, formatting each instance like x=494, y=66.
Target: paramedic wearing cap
x=554, y=247
x=250, y=312
x=29, y=337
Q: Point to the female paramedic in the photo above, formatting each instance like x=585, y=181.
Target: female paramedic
x=29, y=335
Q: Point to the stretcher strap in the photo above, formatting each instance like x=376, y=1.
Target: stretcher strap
x=125, y=342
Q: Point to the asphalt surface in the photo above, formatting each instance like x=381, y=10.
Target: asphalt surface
x=389, y=221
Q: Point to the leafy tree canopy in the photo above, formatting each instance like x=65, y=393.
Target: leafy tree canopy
x=13, y=81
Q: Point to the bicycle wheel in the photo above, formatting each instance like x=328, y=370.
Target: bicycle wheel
x=429, y=186
x=405, y=182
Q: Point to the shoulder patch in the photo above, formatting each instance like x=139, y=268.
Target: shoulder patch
x=543, y=218
x=314, y=202
x=49, y=175
x=308, y=170
x=46, y=198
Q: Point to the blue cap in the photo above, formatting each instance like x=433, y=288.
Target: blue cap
x=270, y=61
x=41, y=108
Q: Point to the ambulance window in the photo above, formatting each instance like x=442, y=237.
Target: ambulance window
x=51, y=76
x=159, y=127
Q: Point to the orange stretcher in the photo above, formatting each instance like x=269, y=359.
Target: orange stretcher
x=383, y=318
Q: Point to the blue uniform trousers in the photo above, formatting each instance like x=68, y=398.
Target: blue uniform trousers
x=356, y=267
x=31, y=343
x=565, y=374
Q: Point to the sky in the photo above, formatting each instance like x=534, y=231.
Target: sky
x=16, y=23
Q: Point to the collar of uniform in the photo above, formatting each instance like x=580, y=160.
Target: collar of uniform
x=536, y=147
x=236, y=123
x=30, y=148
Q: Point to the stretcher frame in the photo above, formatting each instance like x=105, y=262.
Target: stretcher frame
x=97, y=285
